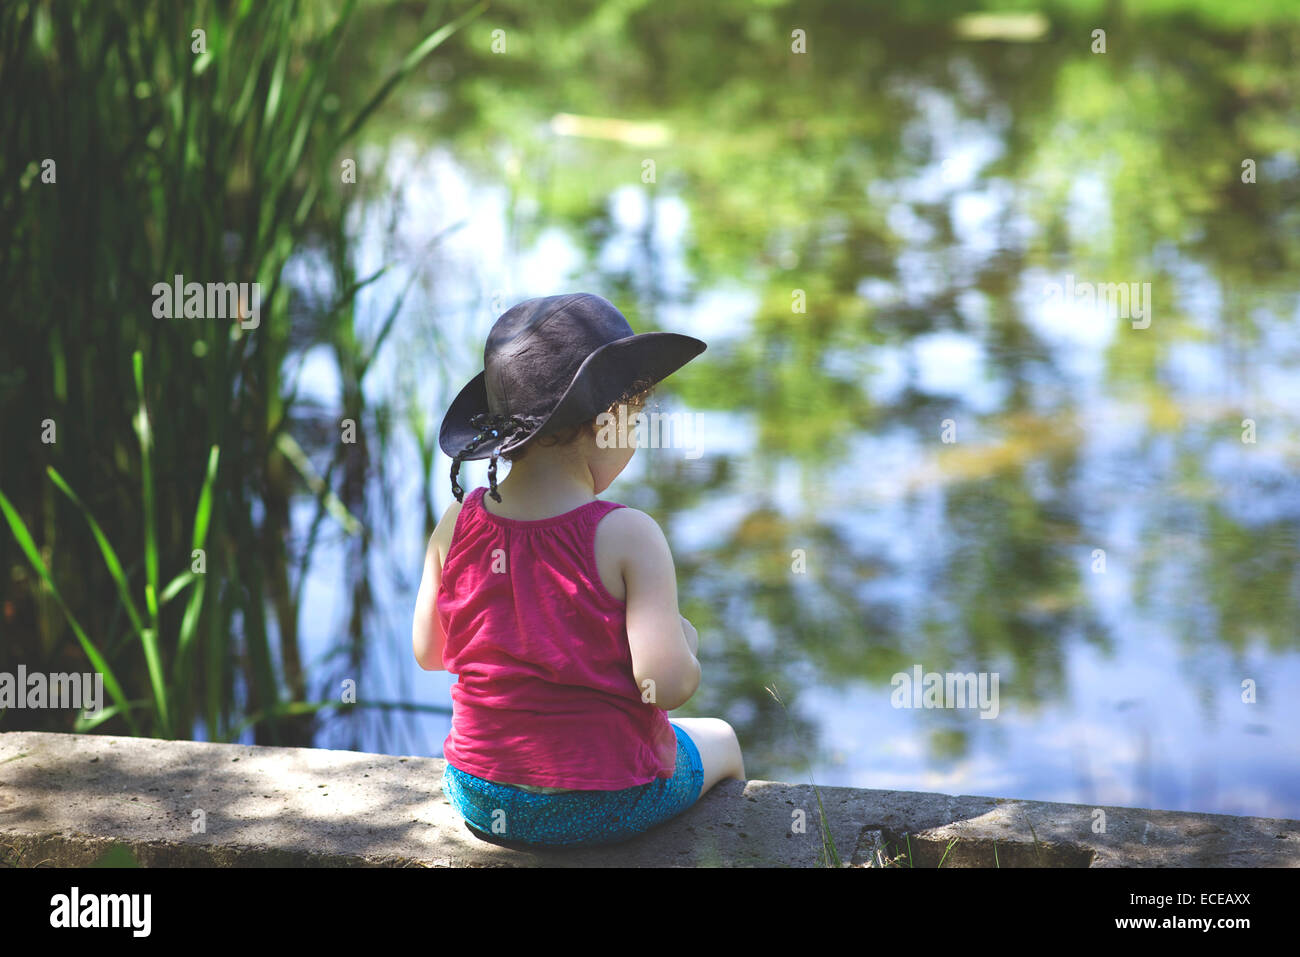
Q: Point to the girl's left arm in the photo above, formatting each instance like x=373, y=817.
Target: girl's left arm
x=426, y=631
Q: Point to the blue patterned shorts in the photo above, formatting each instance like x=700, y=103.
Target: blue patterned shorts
x=575, y=818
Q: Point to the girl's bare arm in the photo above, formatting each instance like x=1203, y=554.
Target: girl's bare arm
x=426, y=631
x=662, y=660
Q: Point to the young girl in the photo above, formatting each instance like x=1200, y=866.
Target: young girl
x=557, y=610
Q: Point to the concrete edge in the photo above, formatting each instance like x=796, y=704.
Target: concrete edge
x=66, y=799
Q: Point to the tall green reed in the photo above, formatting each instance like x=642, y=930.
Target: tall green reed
x=216, y=157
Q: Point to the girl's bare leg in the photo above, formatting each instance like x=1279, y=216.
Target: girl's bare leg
x=718, y=746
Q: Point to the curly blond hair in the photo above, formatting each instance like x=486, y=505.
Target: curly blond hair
x=636, y=396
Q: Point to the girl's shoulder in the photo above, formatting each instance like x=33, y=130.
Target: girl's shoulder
x=631, y=546
x=631, y=523
x=634, y=532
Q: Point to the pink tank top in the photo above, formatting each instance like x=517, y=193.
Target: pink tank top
x=546, y=695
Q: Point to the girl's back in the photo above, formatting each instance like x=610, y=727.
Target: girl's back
x=546, y=695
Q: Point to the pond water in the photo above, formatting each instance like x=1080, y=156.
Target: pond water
x=966, y=454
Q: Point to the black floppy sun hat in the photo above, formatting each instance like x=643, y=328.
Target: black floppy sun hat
x=548, y=364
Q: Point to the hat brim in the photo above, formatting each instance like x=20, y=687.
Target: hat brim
x=651, y=356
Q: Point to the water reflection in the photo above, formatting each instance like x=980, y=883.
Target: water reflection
x=980, y=476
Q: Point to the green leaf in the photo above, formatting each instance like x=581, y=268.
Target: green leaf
x=203, y=513
x=175, y=586
x=412, y=60
x=149, y=636
x=119, y=855
x=193, y=607
x=19, y=528
x=291, y=450
x=84, y=724
x=191, y=619
x=110, y=556
x=149, y=639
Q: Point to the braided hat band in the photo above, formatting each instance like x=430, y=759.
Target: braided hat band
x=494, y=427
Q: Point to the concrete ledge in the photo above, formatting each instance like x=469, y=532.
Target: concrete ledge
x=65, y=799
